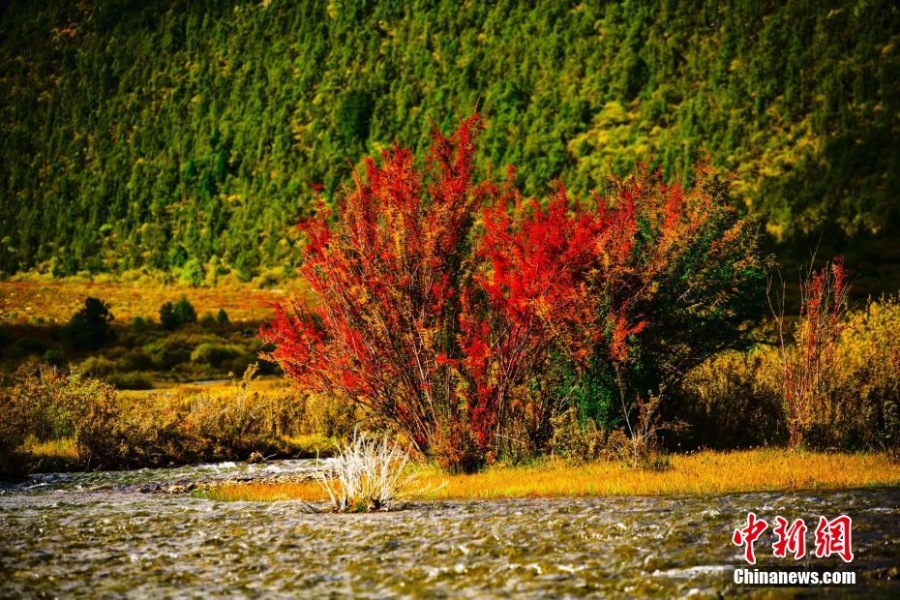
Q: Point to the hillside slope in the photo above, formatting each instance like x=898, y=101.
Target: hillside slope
x=188, y=136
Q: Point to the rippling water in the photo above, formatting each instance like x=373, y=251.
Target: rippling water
x=98, y=535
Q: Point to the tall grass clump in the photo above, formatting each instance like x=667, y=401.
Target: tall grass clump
x=366, y=475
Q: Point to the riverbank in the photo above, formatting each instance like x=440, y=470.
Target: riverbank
x=704, y=472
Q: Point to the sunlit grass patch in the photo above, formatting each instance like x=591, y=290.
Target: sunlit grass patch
x=55, y=301
x=52, y=449
x=313, y=444
x=51, y=455
x=310, y=491
x=698, y=473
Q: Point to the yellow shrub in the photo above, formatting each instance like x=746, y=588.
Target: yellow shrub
x=864, y=386
x=737, y=399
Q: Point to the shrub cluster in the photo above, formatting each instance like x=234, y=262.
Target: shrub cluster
x=469, y=317
x=739, y=399
x=45, y=404
x=177, y=315
x=112, y=430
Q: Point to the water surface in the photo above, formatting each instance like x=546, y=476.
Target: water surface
x=102, y=535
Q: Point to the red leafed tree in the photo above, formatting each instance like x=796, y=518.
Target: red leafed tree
x=460, y=312
x=629, y=291
x=387, y=275
x=530, y=295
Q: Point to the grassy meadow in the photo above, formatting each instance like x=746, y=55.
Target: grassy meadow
x=139, y=351
x=36, y=300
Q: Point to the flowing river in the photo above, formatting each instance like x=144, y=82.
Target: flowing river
x=122, y=535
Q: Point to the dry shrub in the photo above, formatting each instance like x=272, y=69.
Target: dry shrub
x=330, y=415
x=642, y=448
x=45, y=404
x=100, y=429
x=111, y=431
x=736, y=399
x=863, y=386
x=13, y=429
x=195, y=424
x=636, y=446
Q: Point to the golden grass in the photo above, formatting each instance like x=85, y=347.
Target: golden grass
x=698, y=473
x=57, y=301
x=54, y=450
x=217, y=389
x=268, y=492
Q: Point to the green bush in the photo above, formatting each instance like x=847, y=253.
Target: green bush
x=208, y=321
x=175, y=349
x=56, y=358
x=192, y=273
x=215, y=355
x=130, y=381
x=97, y=367
x=134, y=360
x=177, y=315
x=140, y=324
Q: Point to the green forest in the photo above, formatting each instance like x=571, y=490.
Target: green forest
x=189, y=137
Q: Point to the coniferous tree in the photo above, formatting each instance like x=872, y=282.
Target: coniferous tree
x=89, y=328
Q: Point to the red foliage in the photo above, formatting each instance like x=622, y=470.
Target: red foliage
x=387, y=276
x=822, y=319
x=442, y=303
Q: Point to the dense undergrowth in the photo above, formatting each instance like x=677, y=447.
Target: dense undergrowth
x=482, y=326
x=111, y=429
x=732, y=400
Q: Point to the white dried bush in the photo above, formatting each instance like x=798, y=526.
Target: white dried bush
x=366, y=474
